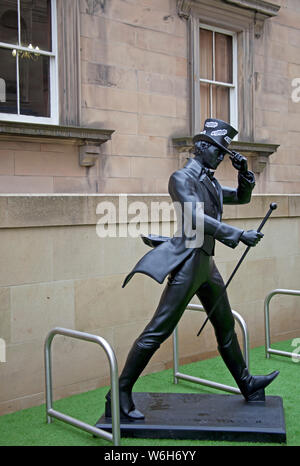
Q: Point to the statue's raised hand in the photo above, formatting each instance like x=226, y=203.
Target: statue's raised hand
x=239, y=162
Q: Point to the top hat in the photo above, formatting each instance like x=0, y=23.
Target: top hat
x=217, y=132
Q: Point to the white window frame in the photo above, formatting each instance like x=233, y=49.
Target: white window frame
x=233, y=87
x=53, y=72
x=233, y=95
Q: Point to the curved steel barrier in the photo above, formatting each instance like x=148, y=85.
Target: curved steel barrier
x=209, y=383
x=268, y=298
x=52, y=413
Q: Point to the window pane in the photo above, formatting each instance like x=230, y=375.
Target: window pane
x=8, y=82
x=9, y=21
x=223, y=57
x=34, y=86
x=36, y=23
x=205, y=103
x=220, y=99
x=206, y=54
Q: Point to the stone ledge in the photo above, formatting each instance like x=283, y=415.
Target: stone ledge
x=89, y=139
x=260, y=152
x=263, y=7
x=27, y=211
x=64, y=133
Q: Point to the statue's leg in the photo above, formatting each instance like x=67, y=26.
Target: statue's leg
x=180, y=288
x=252, y=387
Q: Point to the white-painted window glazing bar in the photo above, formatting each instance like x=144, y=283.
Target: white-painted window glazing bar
x=53, y=73
x=233, y=104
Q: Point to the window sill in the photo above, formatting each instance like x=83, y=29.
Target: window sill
x=88, y=139
x=259, y=152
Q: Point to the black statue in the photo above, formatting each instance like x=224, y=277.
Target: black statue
x=192, y=270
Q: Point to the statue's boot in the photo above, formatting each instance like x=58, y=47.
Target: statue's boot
x=252, y=387
x=137, y=360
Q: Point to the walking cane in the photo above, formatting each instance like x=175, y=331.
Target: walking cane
x=273, y=206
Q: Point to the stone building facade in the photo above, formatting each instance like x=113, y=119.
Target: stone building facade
x=125, y=97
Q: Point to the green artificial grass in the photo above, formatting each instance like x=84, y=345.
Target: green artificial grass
x=28, y=427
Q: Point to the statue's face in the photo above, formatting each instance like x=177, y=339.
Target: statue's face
x=212, y=157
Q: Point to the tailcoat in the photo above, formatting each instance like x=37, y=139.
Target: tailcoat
x=191, y=184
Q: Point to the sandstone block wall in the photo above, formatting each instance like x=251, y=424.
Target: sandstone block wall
x=277, y=114
x=56, y=271
x=135, y=80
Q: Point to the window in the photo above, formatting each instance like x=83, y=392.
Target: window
x=217, y=75
x=241, y=23
x=28, y=71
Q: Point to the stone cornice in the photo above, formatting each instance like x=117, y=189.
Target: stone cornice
x=260, y=152
x=89, y=139
x=263, y=7
x=74, y=133
x=260, y=6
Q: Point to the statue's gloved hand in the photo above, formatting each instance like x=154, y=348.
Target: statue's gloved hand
x=239, y=162
x=251, y=237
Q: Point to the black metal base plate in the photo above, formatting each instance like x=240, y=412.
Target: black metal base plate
x=204, y=417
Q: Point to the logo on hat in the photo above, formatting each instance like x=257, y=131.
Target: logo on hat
x=220, y=137
x=219, y=132
x=211, y=124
